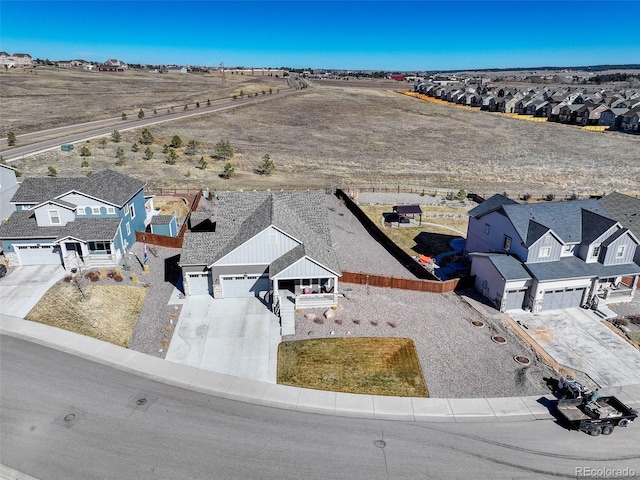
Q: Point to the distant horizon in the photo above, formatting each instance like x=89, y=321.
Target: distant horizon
x=403, y=36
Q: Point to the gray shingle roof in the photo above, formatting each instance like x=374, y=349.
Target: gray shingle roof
x=509, y=267
x=241, y=216
x=161, y=219
x=566, y=219
x=573, y=267
x=625, y=209
x=491, y=204
x=22, y=225
x=109, y=186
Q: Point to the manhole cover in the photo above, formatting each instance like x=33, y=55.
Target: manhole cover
x=499, y=339
x=380, y=443
x=522, y=360
x=142, y=401
x=477, y=323
x=70, y=417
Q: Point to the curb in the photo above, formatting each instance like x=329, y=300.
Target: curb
x=456, y=410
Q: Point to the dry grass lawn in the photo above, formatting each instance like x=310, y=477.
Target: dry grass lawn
x=374, y=366
x=324, y=136
x=427, y=239
x=109, y=312
x=177, y=208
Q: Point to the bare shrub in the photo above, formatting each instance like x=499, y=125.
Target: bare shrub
x=357, y=321
x=621, y=321
x=635, y=319
x=392, y=324
x=118, y=277
x=93, y=276
x=319, y=320
x=68, y=278
x=338, y=321
x=374, y=323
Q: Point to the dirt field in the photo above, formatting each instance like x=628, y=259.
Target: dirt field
x=332, y=136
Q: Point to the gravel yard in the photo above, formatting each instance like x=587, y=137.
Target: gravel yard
x=457, y=358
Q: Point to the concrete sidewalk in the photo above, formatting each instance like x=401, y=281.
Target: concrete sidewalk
x=294, y=398
x=577, y=339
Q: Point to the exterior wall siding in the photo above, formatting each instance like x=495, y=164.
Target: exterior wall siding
x=305, y=268
x=488, y=280
x=42, y=215
x=546, y=241
x=136, y=223
x=611, y=250
x=499, y=225
x=259, y=249
x=589, y=258
x=83, y=201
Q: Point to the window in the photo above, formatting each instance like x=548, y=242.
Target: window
x=487, y=227
x=81, y=211
x=568, y=248
x=100, y=247
x=620, y=251
x=596, y=251
x=506, y=244
x=95, y=210
x=128, y=228
x=132, y=211
x=54, y=217
x=111, y=210
x=545, y=252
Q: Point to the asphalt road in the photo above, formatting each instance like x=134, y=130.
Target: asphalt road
x=65, y=417
x=52, y=139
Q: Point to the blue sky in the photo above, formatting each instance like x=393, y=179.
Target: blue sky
x=368, y=35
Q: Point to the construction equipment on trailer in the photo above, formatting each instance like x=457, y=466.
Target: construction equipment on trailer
x=588, y=412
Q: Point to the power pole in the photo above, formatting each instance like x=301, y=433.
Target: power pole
x=224, y=77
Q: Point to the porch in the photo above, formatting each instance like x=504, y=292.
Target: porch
x=82, y=255
x=615, y=290
x=306, y=293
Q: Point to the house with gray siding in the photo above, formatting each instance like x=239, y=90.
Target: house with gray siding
x=626, y=210
x=75, y=222
x=547, y=256
x=272, y=245
x=8, y=187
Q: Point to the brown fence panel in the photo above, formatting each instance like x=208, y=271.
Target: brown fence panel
x=192, y=208
x=433, y=286
x=160, y=240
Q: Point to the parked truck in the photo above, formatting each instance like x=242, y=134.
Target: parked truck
x=592, y=414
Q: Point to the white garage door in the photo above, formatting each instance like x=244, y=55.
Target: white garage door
x=515, y=299
x=198, y=283
x=565, y=298
x=241, y=286
x=39, y=254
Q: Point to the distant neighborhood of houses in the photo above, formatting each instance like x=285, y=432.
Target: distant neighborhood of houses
x=617, y=110
x=15, y=60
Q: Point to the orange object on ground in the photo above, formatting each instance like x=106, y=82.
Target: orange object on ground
x=424, y=258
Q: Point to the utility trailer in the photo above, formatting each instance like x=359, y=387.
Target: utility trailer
x=598, y=417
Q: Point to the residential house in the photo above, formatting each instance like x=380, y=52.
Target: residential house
x=626, y=210
x=176, y=70
x=75, y=222
x=631, y=120
x=271, y=245
x=8, y=187
x=612, y=117
x=549, y=256
x=22, y=59
x=113, y=65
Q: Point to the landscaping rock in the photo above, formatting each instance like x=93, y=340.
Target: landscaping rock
x=329, y=314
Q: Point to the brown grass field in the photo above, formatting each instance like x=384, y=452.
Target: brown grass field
x=323, y=136
x=109, y=312
x=374, y=366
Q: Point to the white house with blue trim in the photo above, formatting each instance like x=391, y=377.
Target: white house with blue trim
x=75, y=222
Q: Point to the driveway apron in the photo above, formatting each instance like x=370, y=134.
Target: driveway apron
x=23, y=287
x=234, y=336
x=577, y=339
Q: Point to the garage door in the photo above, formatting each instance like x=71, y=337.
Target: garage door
x=515, y=299
x=565, y=298
x=198, y=283
x=241, y=286
x=39, y=254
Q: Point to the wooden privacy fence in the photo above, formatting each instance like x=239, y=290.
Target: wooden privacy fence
x=403, y=257
x=434, y=286
x=165, y=240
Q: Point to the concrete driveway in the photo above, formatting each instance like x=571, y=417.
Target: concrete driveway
x=577, y=339
x=234, y=336
x=24, y=286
